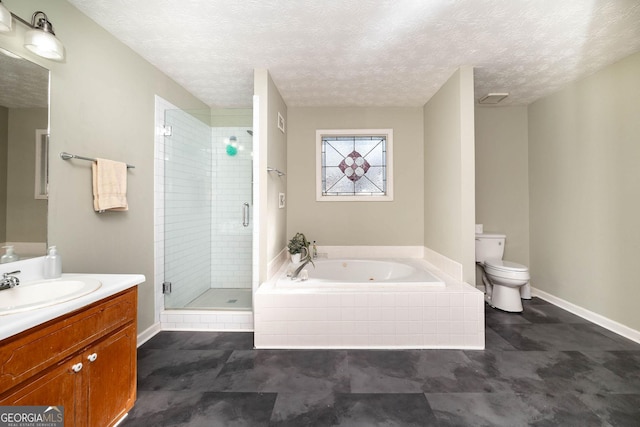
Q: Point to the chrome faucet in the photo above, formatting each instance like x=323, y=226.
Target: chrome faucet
x=306, y=260
x=9, y=281
x=295, y=274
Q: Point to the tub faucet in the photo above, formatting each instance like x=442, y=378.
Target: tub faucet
x=295, y=274
x=9, y=281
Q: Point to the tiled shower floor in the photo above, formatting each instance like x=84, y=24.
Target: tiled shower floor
x=545, y=367
x=222, y=299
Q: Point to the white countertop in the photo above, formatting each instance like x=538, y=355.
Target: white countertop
x=13, y=324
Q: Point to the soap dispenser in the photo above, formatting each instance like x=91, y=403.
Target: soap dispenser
x=52, y=264
x=9, y=256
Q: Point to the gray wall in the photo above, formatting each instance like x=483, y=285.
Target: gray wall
x=449, y=172
x=584, y=182
x=560, y=178
x=272, y=146
x=392, y=223
x=433, y=155
x=502, y=177
x=102, y=105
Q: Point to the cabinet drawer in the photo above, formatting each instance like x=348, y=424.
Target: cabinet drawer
x=31, y=351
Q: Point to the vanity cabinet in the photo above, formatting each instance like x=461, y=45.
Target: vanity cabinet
x=84, y=361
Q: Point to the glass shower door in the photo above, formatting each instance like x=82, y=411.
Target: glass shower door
x=208, y=211
x=187, y=208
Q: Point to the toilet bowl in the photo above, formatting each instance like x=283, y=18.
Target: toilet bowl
x=505, y=282
x=506, y=279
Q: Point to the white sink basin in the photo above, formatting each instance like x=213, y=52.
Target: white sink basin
x=43, y=293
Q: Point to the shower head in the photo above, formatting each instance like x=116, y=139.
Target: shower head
x=250, y=132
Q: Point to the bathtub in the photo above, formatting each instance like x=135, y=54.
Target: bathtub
x=349, y=274
x=368, y=304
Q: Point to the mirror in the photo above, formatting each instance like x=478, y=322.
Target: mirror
x=24, y=123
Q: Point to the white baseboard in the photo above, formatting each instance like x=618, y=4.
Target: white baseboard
x=148, y=333
x=596, y=318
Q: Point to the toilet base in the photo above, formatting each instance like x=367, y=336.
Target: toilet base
x=525, y=291
x=506, y=298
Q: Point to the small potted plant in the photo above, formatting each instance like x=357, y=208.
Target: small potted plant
x=298, y=248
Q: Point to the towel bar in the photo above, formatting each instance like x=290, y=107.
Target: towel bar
x=279, y=172
x=67, y=156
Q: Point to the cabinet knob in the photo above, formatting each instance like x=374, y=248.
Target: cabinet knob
x=77, y=367
x=92, y=357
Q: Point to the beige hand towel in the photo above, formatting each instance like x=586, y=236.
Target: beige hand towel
x=109, y=185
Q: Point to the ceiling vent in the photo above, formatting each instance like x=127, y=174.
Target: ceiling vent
x=493, y=98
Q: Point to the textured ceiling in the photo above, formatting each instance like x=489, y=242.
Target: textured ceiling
x=371, y=52
x=23, y=84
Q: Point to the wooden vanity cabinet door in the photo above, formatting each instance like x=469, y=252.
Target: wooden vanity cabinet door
x=110, y=379
x=36, y=366
x=57, y=387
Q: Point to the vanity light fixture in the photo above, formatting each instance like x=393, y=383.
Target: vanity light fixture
x=39, y=38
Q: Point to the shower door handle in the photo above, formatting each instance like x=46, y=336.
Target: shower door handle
x=245, y=215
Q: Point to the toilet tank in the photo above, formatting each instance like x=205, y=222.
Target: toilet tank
x=489, y=246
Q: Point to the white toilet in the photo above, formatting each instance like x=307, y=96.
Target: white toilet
x=505, y=282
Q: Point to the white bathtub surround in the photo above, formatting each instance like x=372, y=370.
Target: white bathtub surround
x=346, y=274
x=277, y=263
x=403, y=315
x=371, y=251
x=442, y=263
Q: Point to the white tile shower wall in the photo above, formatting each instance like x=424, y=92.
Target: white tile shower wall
x=231, y=242
x=187, y=207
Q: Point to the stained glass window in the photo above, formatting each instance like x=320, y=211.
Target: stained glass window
x=354, y=164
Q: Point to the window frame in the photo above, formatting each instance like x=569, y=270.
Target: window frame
x=387, y=197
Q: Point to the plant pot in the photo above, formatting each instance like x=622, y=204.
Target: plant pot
x=295, y=258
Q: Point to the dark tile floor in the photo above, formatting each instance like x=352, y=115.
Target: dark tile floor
x=545, y=367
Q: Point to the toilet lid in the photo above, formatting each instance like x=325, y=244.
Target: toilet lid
x=499, y=264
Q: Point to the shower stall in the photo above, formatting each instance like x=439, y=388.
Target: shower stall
x=208, y=221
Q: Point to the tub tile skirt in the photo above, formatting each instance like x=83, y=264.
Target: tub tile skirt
x=429, y=319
